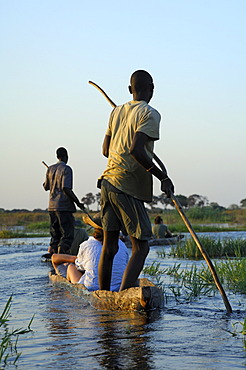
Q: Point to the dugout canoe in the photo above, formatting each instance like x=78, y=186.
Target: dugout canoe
x=147, y=296
x=157, y=242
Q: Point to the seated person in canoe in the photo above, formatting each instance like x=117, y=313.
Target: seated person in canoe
x=80, y=235
x=160, y=230
x=83, y=268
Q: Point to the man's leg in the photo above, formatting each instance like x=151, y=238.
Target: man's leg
x=66, y=221
x=109, y=250
x=140, y=250
x=54, y=232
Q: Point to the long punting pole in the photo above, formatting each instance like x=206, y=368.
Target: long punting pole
x=203, y=252
x=188, y=225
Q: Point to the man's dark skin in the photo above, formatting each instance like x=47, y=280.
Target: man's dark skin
x=140, y=248
x=69, y=191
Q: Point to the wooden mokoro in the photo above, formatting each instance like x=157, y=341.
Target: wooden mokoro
x=156, y=242
x=145, y=297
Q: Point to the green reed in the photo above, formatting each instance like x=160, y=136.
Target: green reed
x=9, y=354
x=239, y=329
x=42, y=225
x=155, y=272
x=215, y=248
x=7, y=234
x=191, y=282
x=186, y=284
x=232, y=273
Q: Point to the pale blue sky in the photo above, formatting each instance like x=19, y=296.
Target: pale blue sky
x=195, y=51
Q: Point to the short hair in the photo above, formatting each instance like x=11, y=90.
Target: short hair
x=158, y=220
x=98, y=234
x=61, y=152
x=141, y=79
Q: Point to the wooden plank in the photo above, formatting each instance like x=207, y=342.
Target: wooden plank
x=145, y=297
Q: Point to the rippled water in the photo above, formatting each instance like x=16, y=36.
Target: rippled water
x=69, y=334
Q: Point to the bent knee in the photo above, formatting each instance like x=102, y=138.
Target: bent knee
x=70, y=267
x=54, y=258
x=140, y=246
x=111, y=251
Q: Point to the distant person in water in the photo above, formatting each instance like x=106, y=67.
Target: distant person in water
x=159, y=230
x=83, y=268
x=62, y=200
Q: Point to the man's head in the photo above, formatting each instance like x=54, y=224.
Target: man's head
x=62, y=155
x=158, y=220
x=142, y=86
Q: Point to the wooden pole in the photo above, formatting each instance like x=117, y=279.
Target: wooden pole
x=45, y=164
x=203, y=252
x=103, y=92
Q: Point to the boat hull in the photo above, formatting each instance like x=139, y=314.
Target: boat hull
x=143, y=298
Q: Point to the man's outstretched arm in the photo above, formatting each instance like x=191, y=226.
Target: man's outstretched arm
x=139, y=153
x=73, y=197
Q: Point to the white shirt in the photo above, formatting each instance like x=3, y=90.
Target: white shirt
x=88, y=260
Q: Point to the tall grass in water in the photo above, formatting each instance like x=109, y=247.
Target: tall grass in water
x=7, y=234
x=155, y=272
x=215, y=248
x=9, y=354
x=233, y=274
x=187, y=283
x=192, y=282
x=43, y=226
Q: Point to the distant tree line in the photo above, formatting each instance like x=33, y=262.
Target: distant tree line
x=192, y=201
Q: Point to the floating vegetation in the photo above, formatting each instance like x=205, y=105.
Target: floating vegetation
x=215, y=248
x=9, y=338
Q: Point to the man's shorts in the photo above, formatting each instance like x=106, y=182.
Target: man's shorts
x=120, y=211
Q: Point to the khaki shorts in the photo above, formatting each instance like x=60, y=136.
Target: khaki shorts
x=120, y=211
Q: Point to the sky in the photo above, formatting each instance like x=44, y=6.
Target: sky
x=50, y=49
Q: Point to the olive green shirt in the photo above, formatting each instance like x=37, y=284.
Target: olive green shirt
x=123, y=171
x=159, y=231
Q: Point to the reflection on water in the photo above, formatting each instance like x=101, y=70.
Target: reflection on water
x=69, y=334
x=115, y=340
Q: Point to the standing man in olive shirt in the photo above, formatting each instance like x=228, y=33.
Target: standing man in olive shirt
x=59, y=181
x=126, y=183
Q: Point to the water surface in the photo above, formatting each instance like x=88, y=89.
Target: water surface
x=69, y=334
